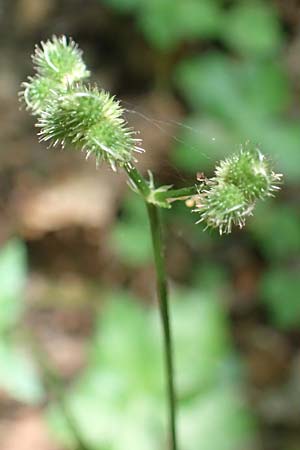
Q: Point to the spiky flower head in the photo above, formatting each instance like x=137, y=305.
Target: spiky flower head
x=71, y=113
x=37, y=92
x=238, y=182
x=60, y=59
x=59, y=64
x=222, y=206
x=91, y=120
x=250, y=171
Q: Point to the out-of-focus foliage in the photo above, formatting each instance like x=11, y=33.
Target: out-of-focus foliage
x=12, y=279
x=124, y=381
x=237, y=101
x=18, y=376
x=276, y=230
x=252, y=28
x=168, y=23
x=132, y=227
x=17, y=373
x=280, y=289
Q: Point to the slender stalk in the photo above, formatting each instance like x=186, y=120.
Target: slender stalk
x=144, y=189
x=173, y=194
x=162, y=292
x=138, y=180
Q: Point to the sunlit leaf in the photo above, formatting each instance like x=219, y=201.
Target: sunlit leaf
x=252, y=28
x=280, y=291
x=130, y=236
x=12, y=279
x=277, y=220
x=18, y=376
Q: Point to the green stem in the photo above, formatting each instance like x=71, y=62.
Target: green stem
x=177, y=193
x=138, y=180
x=157, y=241
x=150, y=195
x=162, y=292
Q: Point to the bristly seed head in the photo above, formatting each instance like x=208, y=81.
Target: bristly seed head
x=36, y=93
x=222, y=206
x=71, y=113
x=91, y=120
x=231, y=194
x=250, y=171
x=61, y=60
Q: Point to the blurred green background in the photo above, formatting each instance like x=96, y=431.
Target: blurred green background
x=79, y=326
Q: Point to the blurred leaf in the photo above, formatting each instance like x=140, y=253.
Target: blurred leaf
x=157, y=21
x=276, y=227
x=253, y=28
x=218, y=421
x=265, y=86
x=12, y=268
x=232, y=90
x=183, y=224
x=209, y=82
x=119, y=347
x=280, y=291
x=198, y=18
x=201, y=342
x=202, y=141
x=238, y=101
x=12, y=279
x=282, y=141
x=125, y=5
x=124, y=382
x=17, y=373
x=131, y=242
x=137, y=425
x=130, y=235
x=210, y=277
x=165, y=23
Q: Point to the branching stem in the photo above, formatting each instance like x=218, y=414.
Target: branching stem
x=144, y=190
x=152, y=195
x=174, y=194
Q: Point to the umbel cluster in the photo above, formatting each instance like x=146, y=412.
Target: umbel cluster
x=71, y=112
